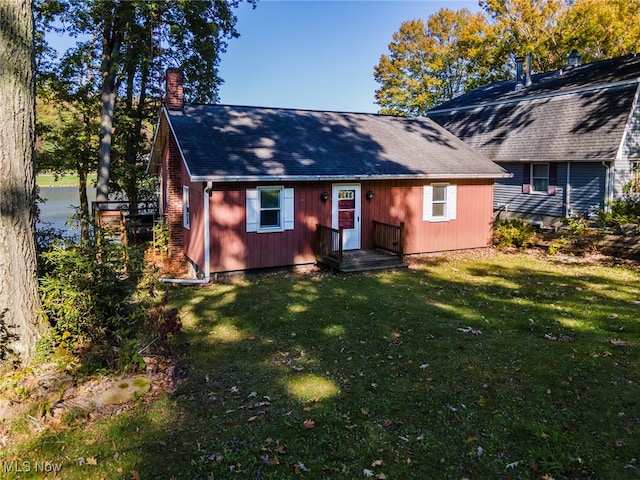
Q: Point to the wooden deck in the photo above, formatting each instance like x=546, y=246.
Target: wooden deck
x=363, y=261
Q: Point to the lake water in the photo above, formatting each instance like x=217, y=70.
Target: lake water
x=61, y=203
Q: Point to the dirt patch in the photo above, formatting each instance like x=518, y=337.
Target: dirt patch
x=48, y=398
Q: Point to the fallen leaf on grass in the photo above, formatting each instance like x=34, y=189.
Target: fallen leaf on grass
x=616, y=342
x=300, y=467
x=309, y=424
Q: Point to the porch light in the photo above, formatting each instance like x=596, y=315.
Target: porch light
x=369, y=195
x=324, y=196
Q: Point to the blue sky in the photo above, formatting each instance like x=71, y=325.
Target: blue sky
x=316, y=55
x=311, y=54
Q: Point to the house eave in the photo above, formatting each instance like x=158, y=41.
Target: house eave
x=341, y=178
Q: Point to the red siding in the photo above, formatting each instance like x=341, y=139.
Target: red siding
x=232, y=248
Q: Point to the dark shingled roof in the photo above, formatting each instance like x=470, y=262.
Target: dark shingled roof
x=574, y=115
x=231, y=143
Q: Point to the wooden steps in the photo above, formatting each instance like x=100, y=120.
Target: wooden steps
x=364, y=261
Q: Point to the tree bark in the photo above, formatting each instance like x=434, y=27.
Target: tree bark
x=19, y=300
x=111, y=43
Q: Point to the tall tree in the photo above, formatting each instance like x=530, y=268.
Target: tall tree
x=19, y=301
x=66, y=121
x=601, y=29
x=136, y=36
x=431, y=62
x=455, y=52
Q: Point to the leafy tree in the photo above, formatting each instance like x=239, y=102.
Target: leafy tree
x=431, y=62
x=19, y=301
x=457, y=51
x=528, y=26
x=601, y=29
x=129, y=41
x=66, y=109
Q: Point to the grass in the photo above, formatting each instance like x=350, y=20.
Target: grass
x=470, y=366
x=66, y=180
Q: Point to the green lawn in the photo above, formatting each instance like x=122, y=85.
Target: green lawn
x=66, y=180
x=478, y=366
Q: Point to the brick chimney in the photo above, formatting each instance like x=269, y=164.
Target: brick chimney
x=174, y=93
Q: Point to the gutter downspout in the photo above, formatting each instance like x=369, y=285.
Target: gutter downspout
x=207, y=250
x=608, y=185
x=567, y=188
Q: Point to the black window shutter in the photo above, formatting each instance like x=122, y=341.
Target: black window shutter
x=526, y=178
x=553, y=179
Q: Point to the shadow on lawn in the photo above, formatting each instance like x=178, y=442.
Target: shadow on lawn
x=329, y=376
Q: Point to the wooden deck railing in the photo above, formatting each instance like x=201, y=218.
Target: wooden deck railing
x=329, y=242
x=389, y=237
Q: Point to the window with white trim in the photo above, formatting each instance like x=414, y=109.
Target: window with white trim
x=270, y=209
x=540, y=178
x=439, y=202
x=186, y=214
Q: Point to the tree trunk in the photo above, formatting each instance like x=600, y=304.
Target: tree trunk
x=19, y=300
x=111, y=42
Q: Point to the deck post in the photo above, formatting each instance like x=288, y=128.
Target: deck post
x=401, y=241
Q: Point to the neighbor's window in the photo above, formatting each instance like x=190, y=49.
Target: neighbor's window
x=439, y=202
x=540, y=177
x=186, y=214
x=269, y=209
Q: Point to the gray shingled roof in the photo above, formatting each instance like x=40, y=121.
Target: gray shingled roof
x=576, y=115
x=227, y=143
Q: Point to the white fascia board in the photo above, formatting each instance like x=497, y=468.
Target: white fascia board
x=344, y=178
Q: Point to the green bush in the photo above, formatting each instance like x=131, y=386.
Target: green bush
x=514, y=234
x=93, y=297
x=621, y=212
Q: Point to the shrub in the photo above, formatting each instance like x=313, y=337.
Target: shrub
x=96, y=303
x=621, y=212
x=514, y=233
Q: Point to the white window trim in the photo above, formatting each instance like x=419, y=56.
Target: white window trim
x=532, y=179
x=451, y=200
x=186, y=212
x=286, y=210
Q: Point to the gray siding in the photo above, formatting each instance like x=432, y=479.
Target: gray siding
x=586, y=191
x=508, y=192
x=588, y=182
x=630, y=151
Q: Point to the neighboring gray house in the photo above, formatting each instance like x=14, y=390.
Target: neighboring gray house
x=571, y=137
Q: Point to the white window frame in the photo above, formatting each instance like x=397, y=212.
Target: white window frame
x=254, y=209
x=186, y=212
x=449, y=203
x=533, y=179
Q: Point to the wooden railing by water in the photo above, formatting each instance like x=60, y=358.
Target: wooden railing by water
x=329, y=242
x=389, y=237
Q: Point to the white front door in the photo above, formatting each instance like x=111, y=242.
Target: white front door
x=346, y=214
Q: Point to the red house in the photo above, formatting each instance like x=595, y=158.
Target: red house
x=247, y=188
